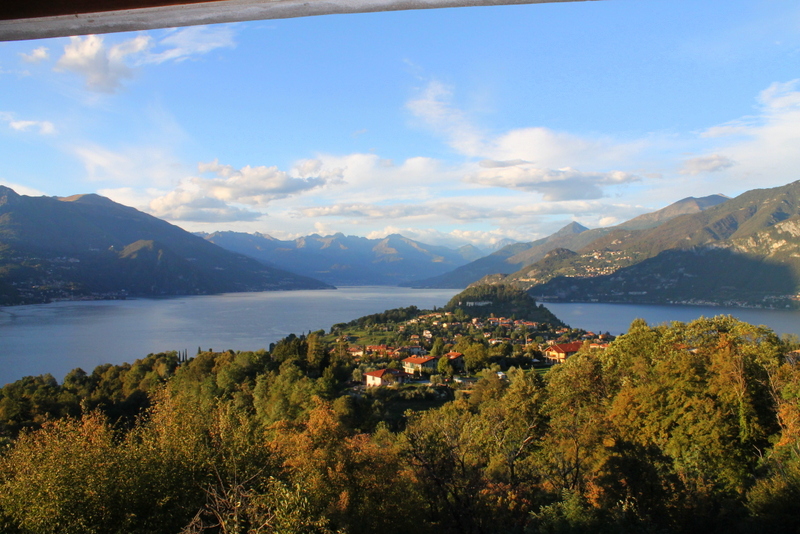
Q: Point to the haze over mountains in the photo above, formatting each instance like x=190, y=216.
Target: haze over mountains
x=396, y=260
x=349, y=260
x=744, y=250
x=88, y=245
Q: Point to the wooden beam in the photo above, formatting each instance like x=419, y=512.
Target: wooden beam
x=38, y=19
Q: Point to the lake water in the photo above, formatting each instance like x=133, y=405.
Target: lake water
x=55, y=338
x=616, y=318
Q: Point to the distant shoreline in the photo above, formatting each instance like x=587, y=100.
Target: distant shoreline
x=725, y=304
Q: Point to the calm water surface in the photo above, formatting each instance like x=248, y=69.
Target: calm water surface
x=616, y=318
x=55, y=338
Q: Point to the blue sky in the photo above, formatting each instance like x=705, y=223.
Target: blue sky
x=451, y=126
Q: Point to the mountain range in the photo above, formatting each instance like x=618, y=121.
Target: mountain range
x=90, y=246
x=744, y=251
x=349, y=260
x=573, y=236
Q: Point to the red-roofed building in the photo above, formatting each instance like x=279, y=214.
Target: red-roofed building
x=416, y=365
x=384, y=377
x=559, y=353
x=355, y=352
x=456, y=359
x=381, y=350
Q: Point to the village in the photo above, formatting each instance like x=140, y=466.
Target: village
x=445, y=348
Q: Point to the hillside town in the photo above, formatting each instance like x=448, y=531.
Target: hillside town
x=443, y=347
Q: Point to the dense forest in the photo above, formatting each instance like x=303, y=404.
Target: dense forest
x=681, y=427
x=483, y=300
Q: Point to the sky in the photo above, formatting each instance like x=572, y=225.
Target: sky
x=449, y=126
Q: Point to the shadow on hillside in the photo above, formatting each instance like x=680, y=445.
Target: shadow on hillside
x=711, y=274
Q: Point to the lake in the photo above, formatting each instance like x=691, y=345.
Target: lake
x=616, y=318
x=55, y=338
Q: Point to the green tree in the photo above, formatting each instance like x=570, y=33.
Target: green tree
x=444, y=367
x=316, y=355
x=573, y=449
x=476, y=357
x=438, y=348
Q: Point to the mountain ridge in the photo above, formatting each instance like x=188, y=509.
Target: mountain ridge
x=745, y=251
x=348, y=260
x=573, y=236
x=88, y=246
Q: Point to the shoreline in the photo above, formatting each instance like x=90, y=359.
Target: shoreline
x=708, y=303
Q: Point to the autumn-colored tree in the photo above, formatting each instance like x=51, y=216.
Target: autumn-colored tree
x=356, y=481
x=77, y=476
x=573, y=447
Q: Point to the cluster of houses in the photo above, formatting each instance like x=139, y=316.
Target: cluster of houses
x=419, y=365
x=416, y=362
x=413, y=366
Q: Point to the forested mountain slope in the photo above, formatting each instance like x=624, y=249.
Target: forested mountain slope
x=88, y=245
x=573, y=236
x=745, y=251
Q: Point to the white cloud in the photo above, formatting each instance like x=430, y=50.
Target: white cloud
x=201, y=199
x=564, y=207
x=37, y=55
x=703, y=164
x=541, y=146
x=461, y=211
x=502, y=211
x=547, y=148
x=143, y=165
x=182, y=44
x=323, y=228
x=364, y=211
x=308, y=167
x=101, y=163
x=536, y=159
x=423, y=193
x=780, y=95
x=520, y=184
x=370, y=179
x=552, y=184
x=44, y=127
x=737, y=127
x=490, y=238
x=434, y=107
x=105, y=67
x=183, y=205
x=491, y=164
x=256, y=186
x=763, y=146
